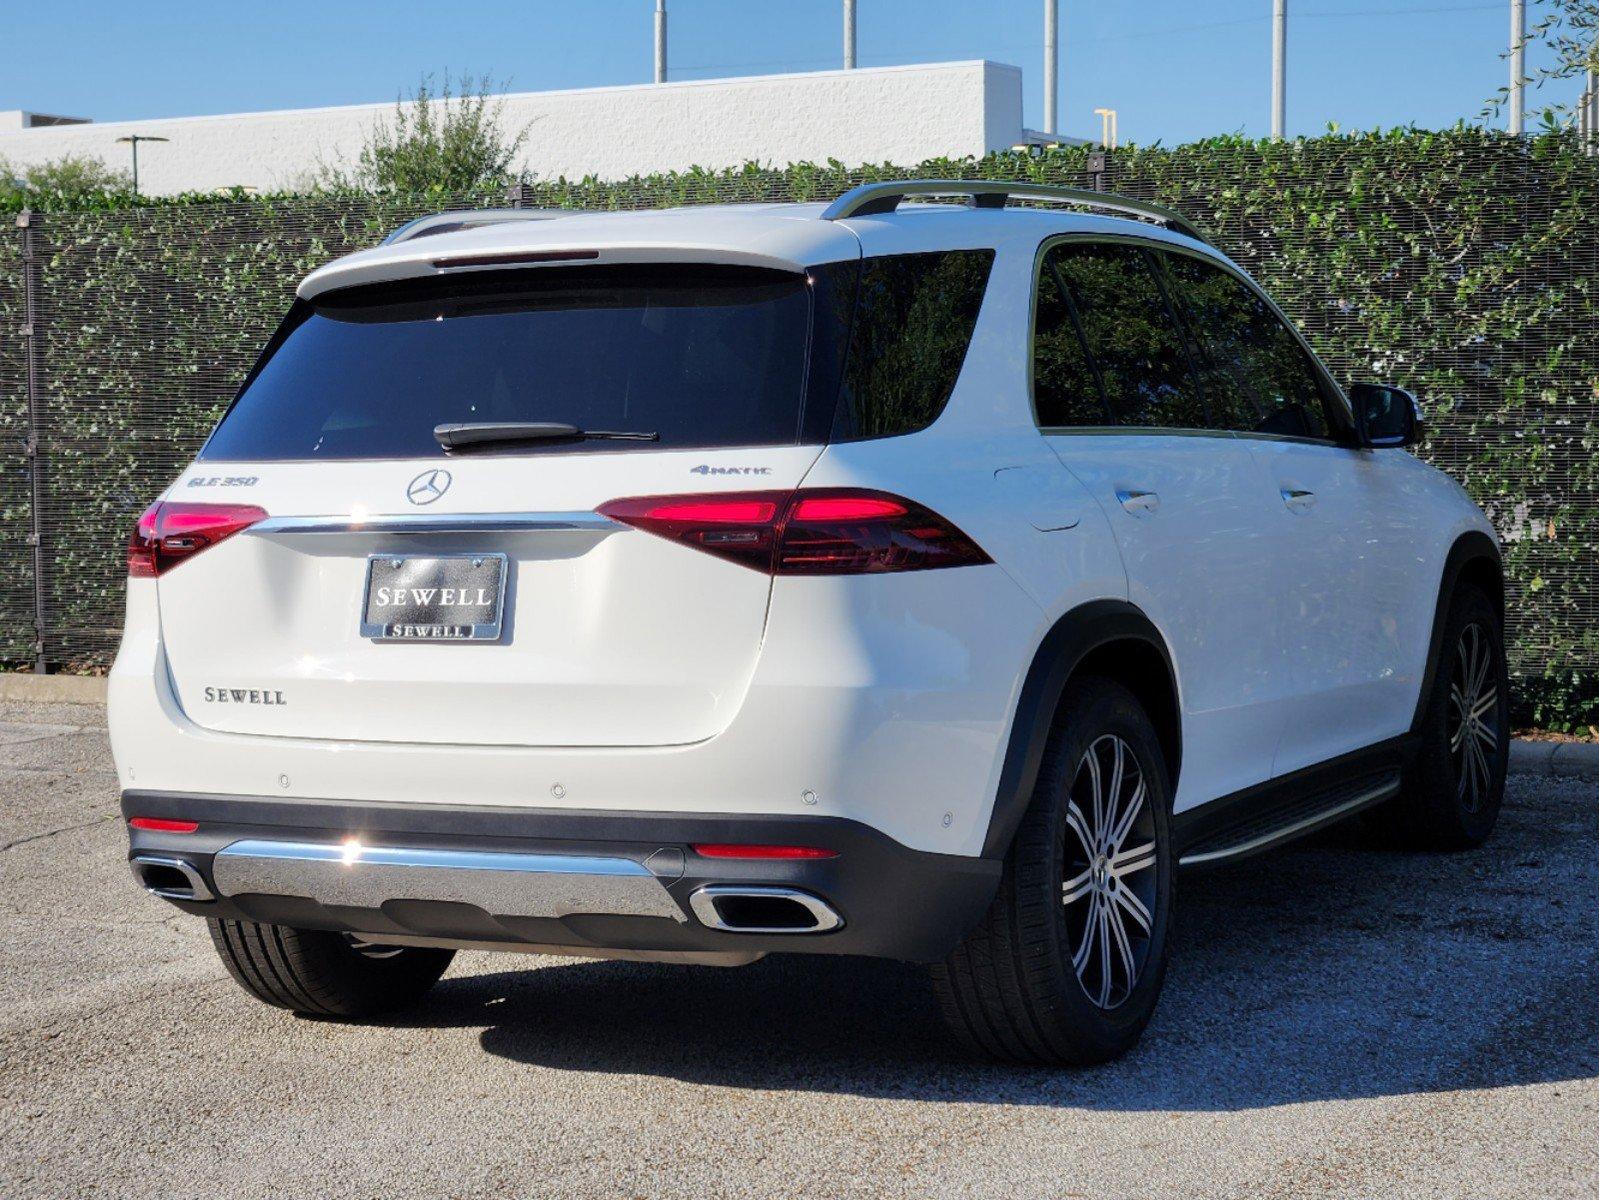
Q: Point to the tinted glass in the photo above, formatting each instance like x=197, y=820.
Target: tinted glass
x=1258, y=377
x=703, y=356
x=914, y=316
x=1065, y=387
x=1132, y=335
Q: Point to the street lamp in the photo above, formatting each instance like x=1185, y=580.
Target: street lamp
x=133, y=139
x=1107, y=127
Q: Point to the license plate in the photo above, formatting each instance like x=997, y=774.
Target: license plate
x=442, y=598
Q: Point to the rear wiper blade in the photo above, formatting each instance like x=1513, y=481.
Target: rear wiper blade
x=465, y=435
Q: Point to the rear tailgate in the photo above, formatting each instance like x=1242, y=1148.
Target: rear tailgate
x=607, y=636
x=610, y=637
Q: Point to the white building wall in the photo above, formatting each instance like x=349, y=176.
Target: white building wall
x=876, y=115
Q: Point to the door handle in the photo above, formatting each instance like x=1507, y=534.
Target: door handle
x=1140, y=504
x=1297, y=499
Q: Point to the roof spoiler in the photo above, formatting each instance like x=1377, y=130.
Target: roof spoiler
x=450, y=222
x=870, y=199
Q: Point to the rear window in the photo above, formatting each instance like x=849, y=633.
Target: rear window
x=703, y=356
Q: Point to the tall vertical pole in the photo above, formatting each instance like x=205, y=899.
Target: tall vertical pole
x=660, y=41
x=135, y=141
x=1279, y=69
x=26, y=223
x=1518, y=67
x=1051, y=63
x=849, y=35
x=1593, y=108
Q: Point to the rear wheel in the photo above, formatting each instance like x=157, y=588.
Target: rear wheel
x=1452, y=795
x=1066, y=966
x=325, y=974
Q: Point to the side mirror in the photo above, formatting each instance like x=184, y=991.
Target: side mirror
x=1386, y=416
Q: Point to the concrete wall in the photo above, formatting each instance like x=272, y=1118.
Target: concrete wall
x=887, y=114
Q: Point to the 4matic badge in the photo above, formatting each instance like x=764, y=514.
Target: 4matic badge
x=705, y=469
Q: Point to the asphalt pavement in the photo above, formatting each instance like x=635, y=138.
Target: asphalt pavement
x=1338, y=1021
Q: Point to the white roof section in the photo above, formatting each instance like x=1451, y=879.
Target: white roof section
x=785, y=237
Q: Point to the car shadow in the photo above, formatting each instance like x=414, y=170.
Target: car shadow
x=1327, y=971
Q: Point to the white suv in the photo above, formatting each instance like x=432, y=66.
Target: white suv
x=923, y=580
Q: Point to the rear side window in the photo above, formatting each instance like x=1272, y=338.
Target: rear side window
x=703, y=356
x=1066, y=388
x=914, y=315
x=1258, y=378
x=1144, y=374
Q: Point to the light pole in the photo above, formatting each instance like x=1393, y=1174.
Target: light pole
x=849, y=35
x=1107, y=127
x=1051, y=62
x=1518, y=67
x=133, y=140
x=1279, y=69
x=1588, y=123
x=660, y=41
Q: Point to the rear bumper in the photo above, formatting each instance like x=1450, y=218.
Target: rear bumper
x=600, y=880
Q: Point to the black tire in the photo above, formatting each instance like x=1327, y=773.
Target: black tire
x=1011, y=989
x=325, y=974
x=1450, y=798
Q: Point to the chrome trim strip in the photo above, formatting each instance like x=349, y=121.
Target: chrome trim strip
x=502, y=884
x=1367, y=798
x=703, y=902
x=497, y=522
x=197, y=889
x=351, y=854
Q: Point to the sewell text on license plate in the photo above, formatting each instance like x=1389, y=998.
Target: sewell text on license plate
x=434, y=598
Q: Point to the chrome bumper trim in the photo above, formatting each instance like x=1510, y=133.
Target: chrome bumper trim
x=501, y=884
x=500, y=522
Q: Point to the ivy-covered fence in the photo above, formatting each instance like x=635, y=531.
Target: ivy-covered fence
x=1464, y=265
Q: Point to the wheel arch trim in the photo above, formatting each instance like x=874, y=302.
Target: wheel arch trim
x=1060, y=652
x=1473, y=546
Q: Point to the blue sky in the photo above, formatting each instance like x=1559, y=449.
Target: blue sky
x=1175, y=70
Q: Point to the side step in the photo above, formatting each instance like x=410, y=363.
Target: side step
x=1276, y=819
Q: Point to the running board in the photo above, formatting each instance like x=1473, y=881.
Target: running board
x=1260, y=828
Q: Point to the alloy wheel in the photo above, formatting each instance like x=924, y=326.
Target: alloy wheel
x=1109, y=879
x=1474, y=717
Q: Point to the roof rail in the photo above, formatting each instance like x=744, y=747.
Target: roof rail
x=449, y=222
x=870, y=199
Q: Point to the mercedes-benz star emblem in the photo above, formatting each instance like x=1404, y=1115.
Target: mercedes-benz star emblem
x=428, y=486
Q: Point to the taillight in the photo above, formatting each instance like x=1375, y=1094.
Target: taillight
x=814, y=531
x=169, y=533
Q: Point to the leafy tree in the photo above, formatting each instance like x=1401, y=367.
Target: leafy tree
x=450, y=140
x=1568, y=33
x=66, y=179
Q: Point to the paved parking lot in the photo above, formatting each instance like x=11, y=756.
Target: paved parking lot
x=1338, y=1021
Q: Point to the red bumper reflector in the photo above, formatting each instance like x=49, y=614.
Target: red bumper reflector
x=163, y=825
x=736, y=850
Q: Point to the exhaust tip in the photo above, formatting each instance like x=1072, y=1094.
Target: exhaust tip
x=743, y=909
x=169, y=877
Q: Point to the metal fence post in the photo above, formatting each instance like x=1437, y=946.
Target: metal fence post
x=1096, y=170
x=27, y=222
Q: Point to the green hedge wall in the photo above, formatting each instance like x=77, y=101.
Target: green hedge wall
x=1464, y=265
